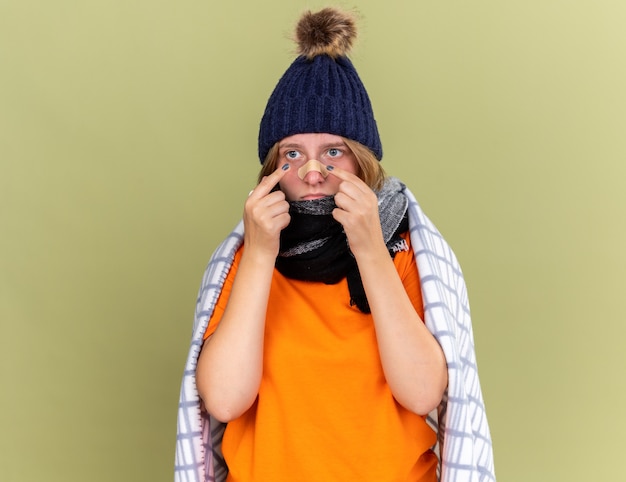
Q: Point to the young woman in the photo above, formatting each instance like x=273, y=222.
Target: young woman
x=310, y=353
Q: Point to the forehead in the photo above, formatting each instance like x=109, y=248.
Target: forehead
x=311, y=139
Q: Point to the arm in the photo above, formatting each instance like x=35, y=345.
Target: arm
x=231, y=361
x=413, y=362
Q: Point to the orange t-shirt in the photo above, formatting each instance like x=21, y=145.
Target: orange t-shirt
x=324, y=411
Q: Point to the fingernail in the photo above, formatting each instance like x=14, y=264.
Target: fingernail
x=285, y=167
x=329, y=168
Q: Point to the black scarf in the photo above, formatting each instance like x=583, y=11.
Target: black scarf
x=314, y=246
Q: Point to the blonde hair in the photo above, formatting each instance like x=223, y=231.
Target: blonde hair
x=368, y=170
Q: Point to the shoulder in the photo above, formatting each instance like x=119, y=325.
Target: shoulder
x=402, y=245
x=403, y=255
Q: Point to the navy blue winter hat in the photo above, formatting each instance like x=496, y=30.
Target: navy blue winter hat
x=321, y=90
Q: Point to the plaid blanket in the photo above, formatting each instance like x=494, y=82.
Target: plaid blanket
x=464, y=441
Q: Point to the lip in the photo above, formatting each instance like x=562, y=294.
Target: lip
x=310, y=197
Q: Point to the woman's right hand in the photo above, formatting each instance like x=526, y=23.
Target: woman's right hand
x=266, y=214
x=230, y=365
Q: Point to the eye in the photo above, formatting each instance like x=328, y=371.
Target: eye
x=334, y=152
x=292, y=155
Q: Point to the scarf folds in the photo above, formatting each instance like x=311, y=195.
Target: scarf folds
x=314, y=246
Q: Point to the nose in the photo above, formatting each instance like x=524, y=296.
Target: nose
x=313, y=171
x=313, y=177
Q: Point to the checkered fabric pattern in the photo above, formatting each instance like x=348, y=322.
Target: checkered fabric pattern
x=464, y=442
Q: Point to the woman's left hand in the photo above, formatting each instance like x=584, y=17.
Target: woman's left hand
x=412, y=360
x=357, y=211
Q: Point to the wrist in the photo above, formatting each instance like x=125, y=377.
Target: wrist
x=371, y=251
x=258, y=257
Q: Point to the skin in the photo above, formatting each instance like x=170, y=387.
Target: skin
x=412, y=360
x=298, y=150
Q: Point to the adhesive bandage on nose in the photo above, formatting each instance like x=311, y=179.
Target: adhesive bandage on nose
x=312, y=165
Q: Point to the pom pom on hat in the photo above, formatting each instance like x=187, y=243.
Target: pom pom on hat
x=328, y=32
x=321, y=91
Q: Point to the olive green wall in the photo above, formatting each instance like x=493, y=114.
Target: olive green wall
x=127, y=144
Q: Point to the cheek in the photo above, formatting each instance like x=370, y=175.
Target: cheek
x=333, y=183
x=348, y=164
x=286, y=184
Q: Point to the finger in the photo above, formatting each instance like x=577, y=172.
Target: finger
x=275, y=199
x=356, y=201
x=269, y=182
x=348, y=177
x=257, y=203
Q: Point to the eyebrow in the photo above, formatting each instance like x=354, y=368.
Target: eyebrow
x=324, y=146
